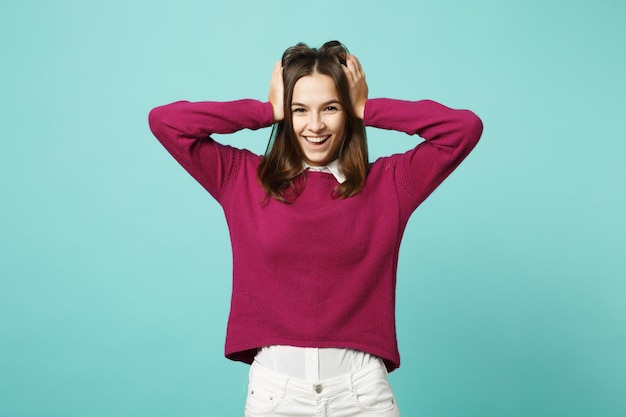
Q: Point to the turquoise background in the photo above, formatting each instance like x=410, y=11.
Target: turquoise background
x=115, y=265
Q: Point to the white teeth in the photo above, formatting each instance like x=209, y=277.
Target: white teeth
x=316, y=139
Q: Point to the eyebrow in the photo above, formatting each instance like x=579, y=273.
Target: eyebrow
x=323, y=104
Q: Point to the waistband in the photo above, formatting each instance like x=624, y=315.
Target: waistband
x=279, y=383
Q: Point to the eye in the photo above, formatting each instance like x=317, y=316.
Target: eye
x=298, y=110
x=332, y=108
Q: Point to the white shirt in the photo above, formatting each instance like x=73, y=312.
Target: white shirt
x=314, y=364
x=332, y=168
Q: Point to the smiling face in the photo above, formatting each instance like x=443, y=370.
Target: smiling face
x=318, y=118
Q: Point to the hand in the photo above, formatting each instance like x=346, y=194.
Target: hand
x=356, y=82
x=276, y=92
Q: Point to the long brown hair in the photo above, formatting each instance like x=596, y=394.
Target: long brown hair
x=283, y=157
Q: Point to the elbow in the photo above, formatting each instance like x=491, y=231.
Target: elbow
x=156, y=119
x=473, y=127
x=165, y=119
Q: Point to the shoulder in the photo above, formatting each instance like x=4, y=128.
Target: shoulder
x=382, y=171
x=384, y=164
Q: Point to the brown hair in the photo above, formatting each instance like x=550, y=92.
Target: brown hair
x=283, y=157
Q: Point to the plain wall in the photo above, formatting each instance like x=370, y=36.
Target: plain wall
x=115, y=265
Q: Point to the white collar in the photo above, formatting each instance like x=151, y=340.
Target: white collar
x=332, y=168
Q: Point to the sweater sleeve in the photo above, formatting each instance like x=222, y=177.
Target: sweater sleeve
x=184, y=129
x=449, y=136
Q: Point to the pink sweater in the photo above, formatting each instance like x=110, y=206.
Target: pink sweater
x=319, y=272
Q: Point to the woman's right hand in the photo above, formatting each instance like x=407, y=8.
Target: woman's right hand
x=277, y=92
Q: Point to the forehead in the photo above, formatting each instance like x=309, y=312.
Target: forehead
x=314, y=88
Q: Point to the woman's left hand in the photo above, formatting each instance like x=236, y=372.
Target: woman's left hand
x=357, y=84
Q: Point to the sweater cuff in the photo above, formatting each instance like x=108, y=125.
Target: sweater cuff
x=372, y=107
x=268, y=114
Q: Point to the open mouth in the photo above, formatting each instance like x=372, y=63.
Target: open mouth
x=316, y=140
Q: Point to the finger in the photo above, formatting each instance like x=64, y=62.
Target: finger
x=349, y=76
x=347, y=71
x=355, y=63
x=355, y=68
x=277, y=76
x=277, y=69
x=351, y=69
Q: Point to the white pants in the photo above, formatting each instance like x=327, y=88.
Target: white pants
x=363, y=393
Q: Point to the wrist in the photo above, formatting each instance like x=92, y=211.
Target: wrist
x=277, y=113
x=359, y=110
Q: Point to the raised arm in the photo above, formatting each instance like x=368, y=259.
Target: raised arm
x=184, y=129
x=449, y=136
x=187, y=120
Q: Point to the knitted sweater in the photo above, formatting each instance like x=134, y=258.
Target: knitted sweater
x=319, y=272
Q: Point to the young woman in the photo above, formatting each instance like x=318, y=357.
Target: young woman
x=315, y=228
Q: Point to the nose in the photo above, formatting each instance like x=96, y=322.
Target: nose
x=316, y=122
